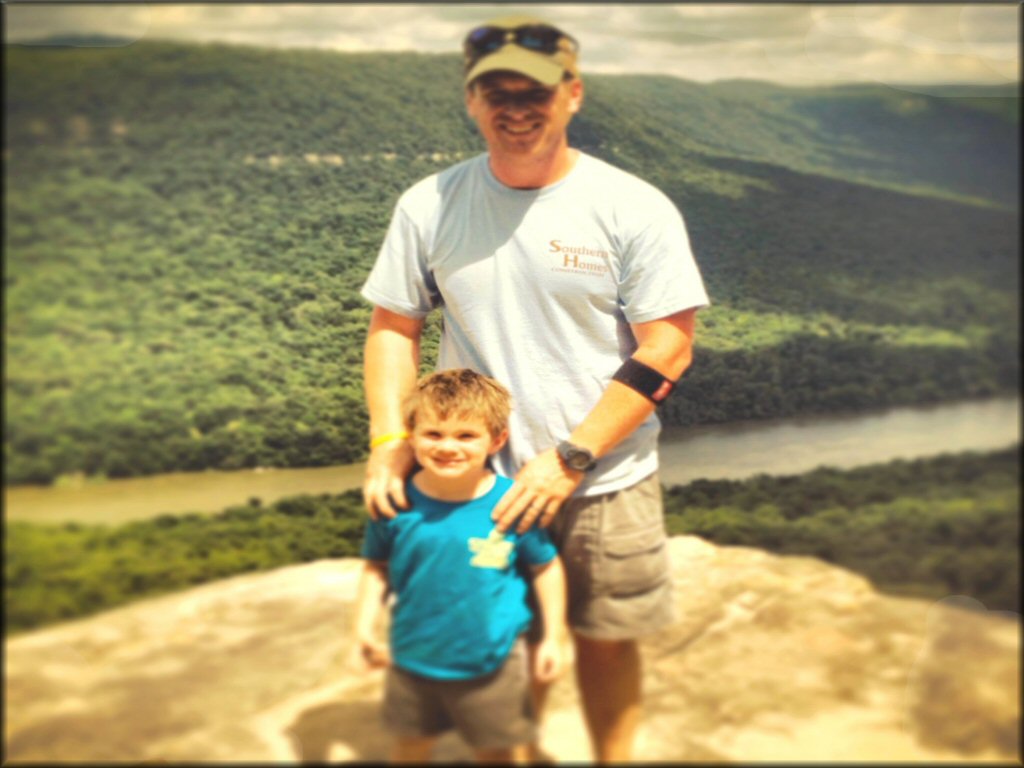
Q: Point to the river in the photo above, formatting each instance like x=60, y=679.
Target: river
x=735, y=450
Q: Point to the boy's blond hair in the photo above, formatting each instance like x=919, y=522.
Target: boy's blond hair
x=459, y=392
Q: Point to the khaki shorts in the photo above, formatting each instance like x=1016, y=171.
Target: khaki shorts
x=613, y=548
x=490, y=712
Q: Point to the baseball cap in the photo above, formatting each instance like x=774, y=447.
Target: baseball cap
x=523, y=44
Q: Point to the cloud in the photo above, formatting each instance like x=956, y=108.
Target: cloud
x=762, y=24
x=795, y=44
x=910, y=44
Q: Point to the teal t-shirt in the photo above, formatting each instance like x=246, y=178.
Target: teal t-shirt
x=460, y=587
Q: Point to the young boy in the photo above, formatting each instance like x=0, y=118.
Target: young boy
x=457, y=658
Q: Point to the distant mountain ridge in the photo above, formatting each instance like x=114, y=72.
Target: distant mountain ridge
x=75, y=40
x=863, y=131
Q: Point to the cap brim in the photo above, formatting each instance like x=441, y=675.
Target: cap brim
x=513, y=58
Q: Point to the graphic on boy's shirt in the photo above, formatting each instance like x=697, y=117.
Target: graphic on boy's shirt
x=492, y=552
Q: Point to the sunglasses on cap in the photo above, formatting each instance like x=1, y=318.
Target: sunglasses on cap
x=540, y=38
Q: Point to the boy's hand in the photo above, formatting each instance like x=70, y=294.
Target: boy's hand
x=386, y=470
x=369, y=654
x=548, y=661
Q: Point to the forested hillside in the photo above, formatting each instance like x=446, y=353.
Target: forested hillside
x=929, y=528
x=187, y=228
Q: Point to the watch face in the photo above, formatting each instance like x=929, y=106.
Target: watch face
x=576, y=458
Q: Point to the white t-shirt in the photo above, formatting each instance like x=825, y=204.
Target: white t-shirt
x=538, y=288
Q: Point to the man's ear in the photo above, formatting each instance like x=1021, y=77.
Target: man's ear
x=499, y=441
x=575, y=95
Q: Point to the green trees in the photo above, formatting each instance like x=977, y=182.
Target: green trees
x=60, y=572
x=188, y=227
x=926, y=528
x=930, y=527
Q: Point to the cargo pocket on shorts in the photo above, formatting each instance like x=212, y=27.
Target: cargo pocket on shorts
x=634, y=562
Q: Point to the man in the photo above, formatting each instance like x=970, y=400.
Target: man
x=572, y=283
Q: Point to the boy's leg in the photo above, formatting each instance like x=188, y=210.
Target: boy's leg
x=494, y=713
x=504, y=756
x=414, y=713
x=412, y=749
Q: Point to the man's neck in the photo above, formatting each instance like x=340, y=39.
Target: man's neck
x=466, y=488
x=533, y=172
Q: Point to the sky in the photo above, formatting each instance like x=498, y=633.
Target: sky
x=905, y=45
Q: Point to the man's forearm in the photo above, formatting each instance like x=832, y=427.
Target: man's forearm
x=665, y=346
x=615, y=416
x=390, y=365
x=391, y=361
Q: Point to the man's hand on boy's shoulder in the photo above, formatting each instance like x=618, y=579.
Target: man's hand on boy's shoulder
x=384, y=486
x=537, y=494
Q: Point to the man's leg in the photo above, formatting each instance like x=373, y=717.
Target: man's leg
x=412, y=749
x=506, y=756
x=627, y=593
x=608, y=675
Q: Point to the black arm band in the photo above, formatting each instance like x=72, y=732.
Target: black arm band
x=645, y=380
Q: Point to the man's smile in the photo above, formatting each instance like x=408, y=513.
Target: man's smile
x=519, y=129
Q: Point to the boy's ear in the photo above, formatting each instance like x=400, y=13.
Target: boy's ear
x=499, y=441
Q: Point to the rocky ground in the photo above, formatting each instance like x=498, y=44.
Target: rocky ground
x=775, y=659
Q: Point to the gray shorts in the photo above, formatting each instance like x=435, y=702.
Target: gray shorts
x=613, y=548
x=490, y=712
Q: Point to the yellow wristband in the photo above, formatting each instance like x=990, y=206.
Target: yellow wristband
x=388, y=437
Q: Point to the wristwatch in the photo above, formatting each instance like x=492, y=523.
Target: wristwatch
x=575, y=457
